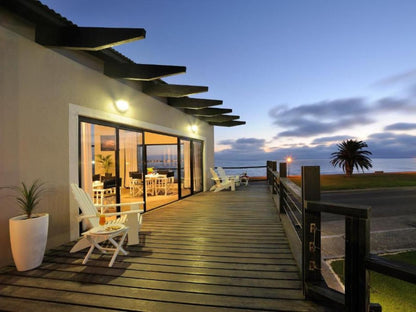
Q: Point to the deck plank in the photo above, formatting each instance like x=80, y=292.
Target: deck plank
x=223, y=251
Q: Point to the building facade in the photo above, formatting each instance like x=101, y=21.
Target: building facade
x=58, y=113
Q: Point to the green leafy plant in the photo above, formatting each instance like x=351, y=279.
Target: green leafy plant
x=28, y=196
x=105, y=161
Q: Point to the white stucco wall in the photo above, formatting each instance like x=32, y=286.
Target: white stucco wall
x=41, y=94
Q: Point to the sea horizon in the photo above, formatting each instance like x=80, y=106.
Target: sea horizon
x=294, y=168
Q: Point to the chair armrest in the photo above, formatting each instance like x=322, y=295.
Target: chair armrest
x=119, y=205
x=110, y=214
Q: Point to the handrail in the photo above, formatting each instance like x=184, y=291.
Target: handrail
x=392, y=268
x=357, y=211
x=358, y=260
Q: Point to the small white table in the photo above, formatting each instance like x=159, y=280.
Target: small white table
x=103, y=233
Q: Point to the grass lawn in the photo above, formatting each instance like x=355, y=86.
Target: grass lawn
x=363, y=180
x=393, y=295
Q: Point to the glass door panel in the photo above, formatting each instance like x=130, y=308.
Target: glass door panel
x=131, y=166
x=97, y=162
x=197, y=166
x=161, y=180
x=185, y=148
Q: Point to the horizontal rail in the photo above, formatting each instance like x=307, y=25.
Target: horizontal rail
x=348, y=210
x=243, y=167
x=403, y=271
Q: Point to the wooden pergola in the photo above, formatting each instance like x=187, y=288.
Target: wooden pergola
x=55, y=31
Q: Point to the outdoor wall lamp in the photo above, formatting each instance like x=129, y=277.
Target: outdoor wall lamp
x=194, y=128
x=122, y=106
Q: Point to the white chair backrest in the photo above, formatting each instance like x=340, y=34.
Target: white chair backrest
x=214, y=174
x=221, y=173
x=85, y=204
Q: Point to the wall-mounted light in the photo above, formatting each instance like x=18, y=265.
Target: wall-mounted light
x=122, y=106
x=194, y=128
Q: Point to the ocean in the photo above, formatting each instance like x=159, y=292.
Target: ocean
x=379, y=164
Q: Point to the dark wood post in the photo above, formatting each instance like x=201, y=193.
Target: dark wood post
x=311, y=226
x=282, y=174
x=357, y=248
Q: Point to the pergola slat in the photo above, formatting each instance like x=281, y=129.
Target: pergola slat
x=86, y=38
x=220, y=118
x=144, y=72
x=187, y=102
x=208, y=111
x=230, y=123
x=170, y=90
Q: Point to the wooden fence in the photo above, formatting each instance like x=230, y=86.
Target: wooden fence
x=300, y=209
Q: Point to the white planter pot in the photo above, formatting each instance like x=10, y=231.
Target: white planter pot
x=28, y=240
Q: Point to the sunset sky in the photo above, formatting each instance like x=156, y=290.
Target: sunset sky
x=304, y=75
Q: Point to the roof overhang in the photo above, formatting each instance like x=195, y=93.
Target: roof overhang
x=207, y=112
x=171, y=90
x=54, y=30
x=143, y=72
x=86, y=38
x=186, y=102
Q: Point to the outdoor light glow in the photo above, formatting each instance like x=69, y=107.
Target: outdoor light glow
x=289, y=159
x=194, y=128
x=122, y=106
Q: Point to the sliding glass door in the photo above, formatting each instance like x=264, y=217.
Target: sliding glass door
x=185, y=170
x=118, y=164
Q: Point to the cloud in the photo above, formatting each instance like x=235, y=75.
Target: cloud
x=401, y=126
x=242, y=149
x=392, y=145
x=381, y=145
x=326, y=117
x=322, y=117
x=331, y=139
x=397, y=79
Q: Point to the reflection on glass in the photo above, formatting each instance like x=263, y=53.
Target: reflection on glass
x=197, y=166
x=185, y=168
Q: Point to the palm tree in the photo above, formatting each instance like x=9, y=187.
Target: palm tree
x=351, y=154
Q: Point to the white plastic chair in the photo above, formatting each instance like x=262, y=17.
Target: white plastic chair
x=131, y=218
x=224, y=176
x=161, y=186
x=221, y=184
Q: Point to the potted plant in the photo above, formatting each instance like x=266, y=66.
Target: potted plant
x=106, y=162
x=28, y=232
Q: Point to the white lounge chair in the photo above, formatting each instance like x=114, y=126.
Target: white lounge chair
x=131, y=218
x=223, y=176
x=221, y=184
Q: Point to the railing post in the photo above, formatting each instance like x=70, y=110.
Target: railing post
x=311, y=225
x=357, y=248
x=272, y=166
x=282, y=174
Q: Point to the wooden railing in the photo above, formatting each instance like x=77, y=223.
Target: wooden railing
x=300, y=211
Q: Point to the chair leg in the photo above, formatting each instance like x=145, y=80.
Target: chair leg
x=118, y=249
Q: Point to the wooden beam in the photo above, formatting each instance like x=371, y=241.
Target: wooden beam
x=144, y=72
x=186, y=102
x=86, y=38
x=170, y=90
x=220, y=118
x=208, y=111
x=230, y=123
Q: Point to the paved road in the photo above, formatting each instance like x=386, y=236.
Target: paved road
x=393, y=219
x=384, y=202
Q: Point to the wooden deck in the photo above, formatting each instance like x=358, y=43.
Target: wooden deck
x=223, y=251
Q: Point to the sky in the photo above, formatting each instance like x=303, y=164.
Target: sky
x=304, y=75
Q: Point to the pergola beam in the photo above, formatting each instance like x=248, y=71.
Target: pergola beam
x=220, y=118
x=208, y=111
x=86, y=38
x=170, y=90
x=231, y=123
x=144, y=72
x=187, y=102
